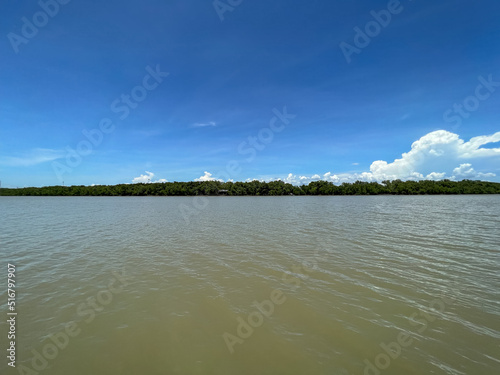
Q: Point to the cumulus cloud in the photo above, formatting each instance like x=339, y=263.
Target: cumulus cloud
x=472, y=149
x=435, y=156
x=260, y=180
x=147, y=179
x=335, y=178
x=298, y=180
x=436, y=176
x=466, y=171
x=440, y=150
x=207, y=177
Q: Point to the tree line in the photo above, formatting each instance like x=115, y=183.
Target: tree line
x=259, y=188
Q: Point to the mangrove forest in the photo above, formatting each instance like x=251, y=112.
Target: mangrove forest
x=260, y=188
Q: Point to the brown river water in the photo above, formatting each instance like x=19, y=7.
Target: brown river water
x=252, y=285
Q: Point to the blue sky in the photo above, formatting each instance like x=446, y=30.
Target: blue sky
x=293, y=90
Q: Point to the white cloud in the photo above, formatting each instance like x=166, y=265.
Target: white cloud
x=204, y=124
x=465, y=171
x=331, y=178
x=207, y=177
x=440, y=149
x=143, y=178
x=435, y=156
x=33, y=157
x=472, y=149
x=147, y=179
x=294, y=180
x=257, y=179
x=435, y=176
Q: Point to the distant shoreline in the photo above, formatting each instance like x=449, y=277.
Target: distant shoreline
x=258, y=188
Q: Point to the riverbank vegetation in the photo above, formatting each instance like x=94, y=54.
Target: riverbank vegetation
x=258, y=188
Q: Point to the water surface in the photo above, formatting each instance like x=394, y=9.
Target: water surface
x=159, y=285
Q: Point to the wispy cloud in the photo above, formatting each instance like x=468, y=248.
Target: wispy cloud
x=32, y=157
x=405, y=117
x=204, y=124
